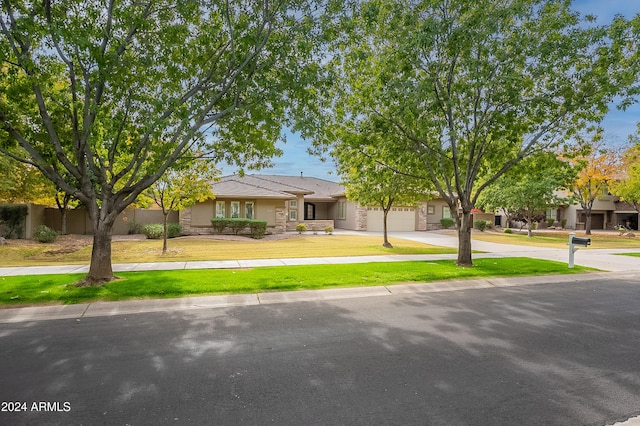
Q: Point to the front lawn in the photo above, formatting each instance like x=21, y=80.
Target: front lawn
x=630, y=254
x=558, y=239
x=31, y=253
x=57, y=289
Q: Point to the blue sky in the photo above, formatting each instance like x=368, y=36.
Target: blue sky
x=618, y=124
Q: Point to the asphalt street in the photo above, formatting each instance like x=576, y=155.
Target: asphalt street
x=564, y=353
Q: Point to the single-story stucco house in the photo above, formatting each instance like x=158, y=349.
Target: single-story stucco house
x=285, y=201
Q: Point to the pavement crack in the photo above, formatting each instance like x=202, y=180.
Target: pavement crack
x=85, y=311
x=259, y=301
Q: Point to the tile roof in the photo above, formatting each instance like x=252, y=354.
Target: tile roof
x=277, y=186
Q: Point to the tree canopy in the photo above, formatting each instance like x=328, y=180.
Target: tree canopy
x=104, y=97
x=472, y=88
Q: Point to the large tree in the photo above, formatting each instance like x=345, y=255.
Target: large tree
x=112, y=93
x=473, y=87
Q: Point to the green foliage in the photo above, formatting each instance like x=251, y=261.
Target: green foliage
x=219, y=224
x=257, y=228
x=446, y=222
x=44, y=234
x=174, y=230
x=13, y=219
x=301, y=227
x=134, y=228
x=564, y=223
x=153, y=231
x=508, y=231
x=237, y=224
x=628, y=188
x=550, y=222
x=481, y=225
x=328, y=229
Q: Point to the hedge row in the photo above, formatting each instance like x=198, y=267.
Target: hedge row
x=257, y=228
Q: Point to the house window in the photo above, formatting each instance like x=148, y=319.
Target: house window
x=220, y=209
x=342, y=210
x=248, y=209
x=293, y=215
x=293, y=204
x=431, y=210
x=235, y=209
x=552, y=214
x=446, y=212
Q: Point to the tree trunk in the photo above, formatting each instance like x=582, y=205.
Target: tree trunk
x=100, y=269
x=63, y=221
x=587, y=221
x=165, y=232
x=464, y=240
x=530, y=220
x=386, y=242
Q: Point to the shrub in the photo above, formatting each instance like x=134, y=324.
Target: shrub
x=219, y=224
x=328, y=229
x=550, y=222
x=564, y=223
x=44, y=234
x=174, y=230
x=301, y=227
x=508, y=231
x=534, y=225
x=446, y=222
x=258, y=228
x=237, y=224
x=13, y=219
x=480, y=225
x=134, y=228
x=153, y=231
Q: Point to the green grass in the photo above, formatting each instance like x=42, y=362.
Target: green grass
x=630, y=254
x=558, y=240
x=56, y=289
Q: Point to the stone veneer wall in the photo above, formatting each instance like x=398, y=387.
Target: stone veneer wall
x=361, y=218
x=185, y=220
x=422, y=217
x=281, y=220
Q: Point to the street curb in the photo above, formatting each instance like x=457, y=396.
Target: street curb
x=130, y=307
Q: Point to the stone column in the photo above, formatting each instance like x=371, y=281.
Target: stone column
x=361, y=218
x=184, y=217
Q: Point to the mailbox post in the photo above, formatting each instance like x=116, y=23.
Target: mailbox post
x=574, y=243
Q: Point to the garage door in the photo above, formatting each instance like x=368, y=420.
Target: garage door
x=399, y=219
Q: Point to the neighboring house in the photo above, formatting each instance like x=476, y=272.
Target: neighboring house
x=285, y=201
x=607, y=213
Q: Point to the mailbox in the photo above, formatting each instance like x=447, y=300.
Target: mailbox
x=584, y=242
